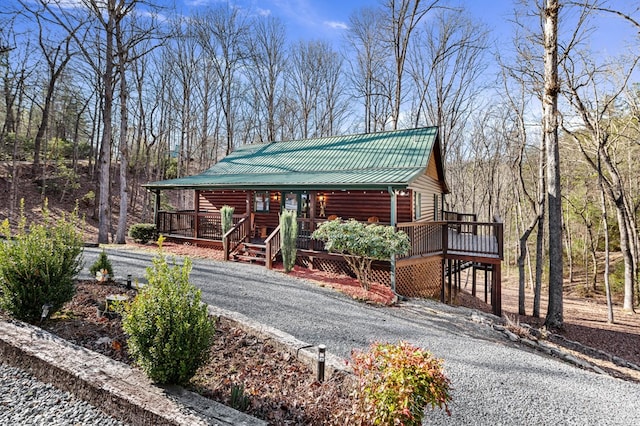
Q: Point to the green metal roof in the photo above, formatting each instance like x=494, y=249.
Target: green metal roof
x=363, y=161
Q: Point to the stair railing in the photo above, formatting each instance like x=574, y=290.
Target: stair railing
x=235, y=236
x=273, y=245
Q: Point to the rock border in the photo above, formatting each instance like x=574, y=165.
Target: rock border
x=548, y=348
x=125, y=392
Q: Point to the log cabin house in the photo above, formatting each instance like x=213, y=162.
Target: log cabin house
x=394, y=177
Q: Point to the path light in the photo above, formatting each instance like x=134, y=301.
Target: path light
x=128, y=281
x=321, y=355
x=45, y=311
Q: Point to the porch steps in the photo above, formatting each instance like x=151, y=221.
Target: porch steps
x=251, y=253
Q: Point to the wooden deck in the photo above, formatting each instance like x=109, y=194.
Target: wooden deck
x=460, y=244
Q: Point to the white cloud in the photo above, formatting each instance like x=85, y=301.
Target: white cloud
x=336, y=25
x=263, y=12
x=196, y=3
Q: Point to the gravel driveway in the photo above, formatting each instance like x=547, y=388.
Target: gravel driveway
x=495, y=381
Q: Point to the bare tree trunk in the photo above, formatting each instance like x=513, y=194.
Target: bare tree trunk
x=105, y=147
x=554, y=318
x=123, y=147
x=540, y=209
x=603, y=206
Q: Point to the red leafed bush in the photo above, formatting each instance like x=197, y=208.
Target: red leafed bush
x=396, y=384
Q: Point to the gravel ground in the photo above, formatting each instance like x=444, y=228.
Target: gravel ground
x=495, y=381
x=26, y=401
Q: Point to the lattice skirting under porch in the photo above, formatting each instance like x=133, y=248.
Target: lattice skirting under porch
x=421, y=278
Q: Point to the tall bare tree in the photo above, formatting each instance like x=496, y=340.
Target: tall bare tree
x=402, y=18
x=446, y=62
x=57, y=54
x=554, y=318
x=268, y=64
x=313, y=80
x=369, y=71
x=222, y=34
x=598, y=140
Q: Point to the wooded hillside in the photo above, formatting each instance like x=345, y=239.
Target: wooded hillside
x=105, y=95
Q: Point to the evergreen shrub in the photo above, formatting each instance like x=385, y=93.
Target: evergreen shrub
x=289, y=233
x=102, y=264
x=143, y=232
x=170, y=331
x=226, y=218
x=38, y=265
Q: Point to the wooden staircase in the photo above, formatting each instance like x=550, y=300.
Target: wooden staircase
x=250, y=253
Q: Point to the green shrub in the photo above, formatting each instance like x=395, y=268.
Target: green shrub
x=396, y=384
x=226, y=218
x=289, y=233
x=101, y=265
x=143, y=232
x=170, y=332
x=38, y=265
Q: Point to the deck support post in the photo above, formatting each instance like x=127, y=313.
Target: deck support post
x=393, y=220
x=473, y=280
x=443, y=263
x=496, y=289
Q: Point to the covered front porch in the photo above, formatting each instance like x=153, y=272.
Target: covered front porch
x=440, y=249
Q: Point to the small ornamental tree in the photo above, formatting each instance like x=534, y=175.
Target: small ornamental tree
x=396, y=383
x=226, y=218
x=361, y=244
x=289, y=233
x=102, y=265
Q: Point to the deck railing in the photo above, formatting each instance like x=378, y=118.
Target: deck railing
x=454, y=238
x=462, y=236
x=425, y=237
x=449, y=216
x=481, y=239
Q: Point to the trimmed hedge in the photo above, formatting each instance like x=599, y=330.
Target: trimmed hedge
x=143, y=232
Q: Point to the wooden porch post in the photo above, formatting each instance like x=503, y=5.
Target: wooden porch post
x=313, y=195
x=196, y=208
x=156, y=209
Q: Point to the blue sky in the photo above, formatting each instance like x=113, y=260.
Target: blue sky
x=328, y=19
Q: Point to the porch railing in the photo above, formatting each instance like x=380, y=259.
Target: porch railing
x=425, y=237
x=459, y=217
x=456, y=238
x=462, y=236
x=186, y=223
